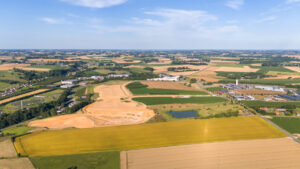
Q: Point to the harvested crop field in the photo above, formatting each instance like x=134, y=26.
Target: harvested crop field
x=296, y=69
x=281, y=153
x=236, y=69
x=258, y=92
x=114, y=107
x=103, y=139
x=7, y=148
x=167, y=85
x=17, y=163
x=208, y=74
x=11, y=66
x=23, y=95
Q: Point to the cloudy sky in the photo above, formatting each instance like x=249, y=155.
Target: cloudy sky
x=150, y=24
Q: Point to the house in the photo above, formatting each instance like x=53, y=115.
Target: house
x=118, y=75
x=69, y=82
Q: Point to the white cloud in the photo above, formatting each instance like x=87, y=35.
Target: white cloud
x=54, y=20
x=95, y=3
x=266, y=19
x=235, y=4
x=230, y=28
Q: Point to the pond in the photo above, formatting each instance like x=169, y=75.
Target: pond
x=184, y=114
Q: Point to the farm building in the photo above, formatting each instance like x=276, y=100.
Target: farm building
x=69, y=82
x=118, y=75
x=165, y=77
x=294, y=98
x=269, y=88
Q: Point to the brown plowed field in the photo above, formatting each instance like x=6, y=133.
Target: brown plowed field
x=114, y=107
x=167, y=85
x=279, y=153
x=11, y=66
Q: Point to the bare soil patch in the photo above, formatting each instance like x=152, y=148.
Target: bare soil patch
x=296, y=69
x=281, y=153
x=236, y=69
x=17, y=163
x=11, y=66
x=208, y=74
x=168, y=85
x=7, y=149
x=114, y=107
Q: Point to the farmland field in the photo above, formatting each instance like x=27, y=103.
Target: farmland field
x=291, y=124
x=170, y=100
x=76, y=141
x=270, y=104
x=278, y=153
x=264, y=81
x=17, y=130
x=7, y=148
x=168, y=85
x=16, y=163
x=139, y=89
x=107, y=160
x=23, y=95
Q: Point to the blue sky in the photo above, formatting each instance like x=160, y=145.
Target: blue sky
x=150, y=24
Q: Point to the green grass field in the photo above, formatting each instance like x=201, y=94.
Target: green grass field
x=52, y=67
x=266, y=69
x=230, y=65
x=270, y=104
x=10, y=75
x=137, y=88
x=17, y=130
x=291, y=124
x=105, y=139
x=107, y=160
x=170, y=100
x=214, y=89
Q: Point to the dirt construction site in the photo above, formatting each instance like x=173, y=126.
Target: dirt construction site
x=279, y=153
x=114, y=107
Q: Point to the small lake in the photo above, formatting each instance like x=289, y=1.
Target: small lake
x=184, y=114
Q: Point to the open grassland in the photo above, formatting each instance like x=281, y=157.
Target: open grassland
x=7, y=149
x=256, y=104
x=11, y=76
x=266, y=69
x=23, y=95
x=17, y=130
x=170, y=100
x=138, y=88
x=76, y=141
x=16, y=163
x=276, y=153
x=290, y=124
x=106, y=160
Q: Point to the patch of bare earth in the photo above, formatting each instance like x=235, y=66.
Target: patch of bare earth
x=281, y=153
x=7, y=149
x=113, y=108
x=168, y=85
x=296, y=69
x=16, y=163
x=11, y=66
x=237, y=69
